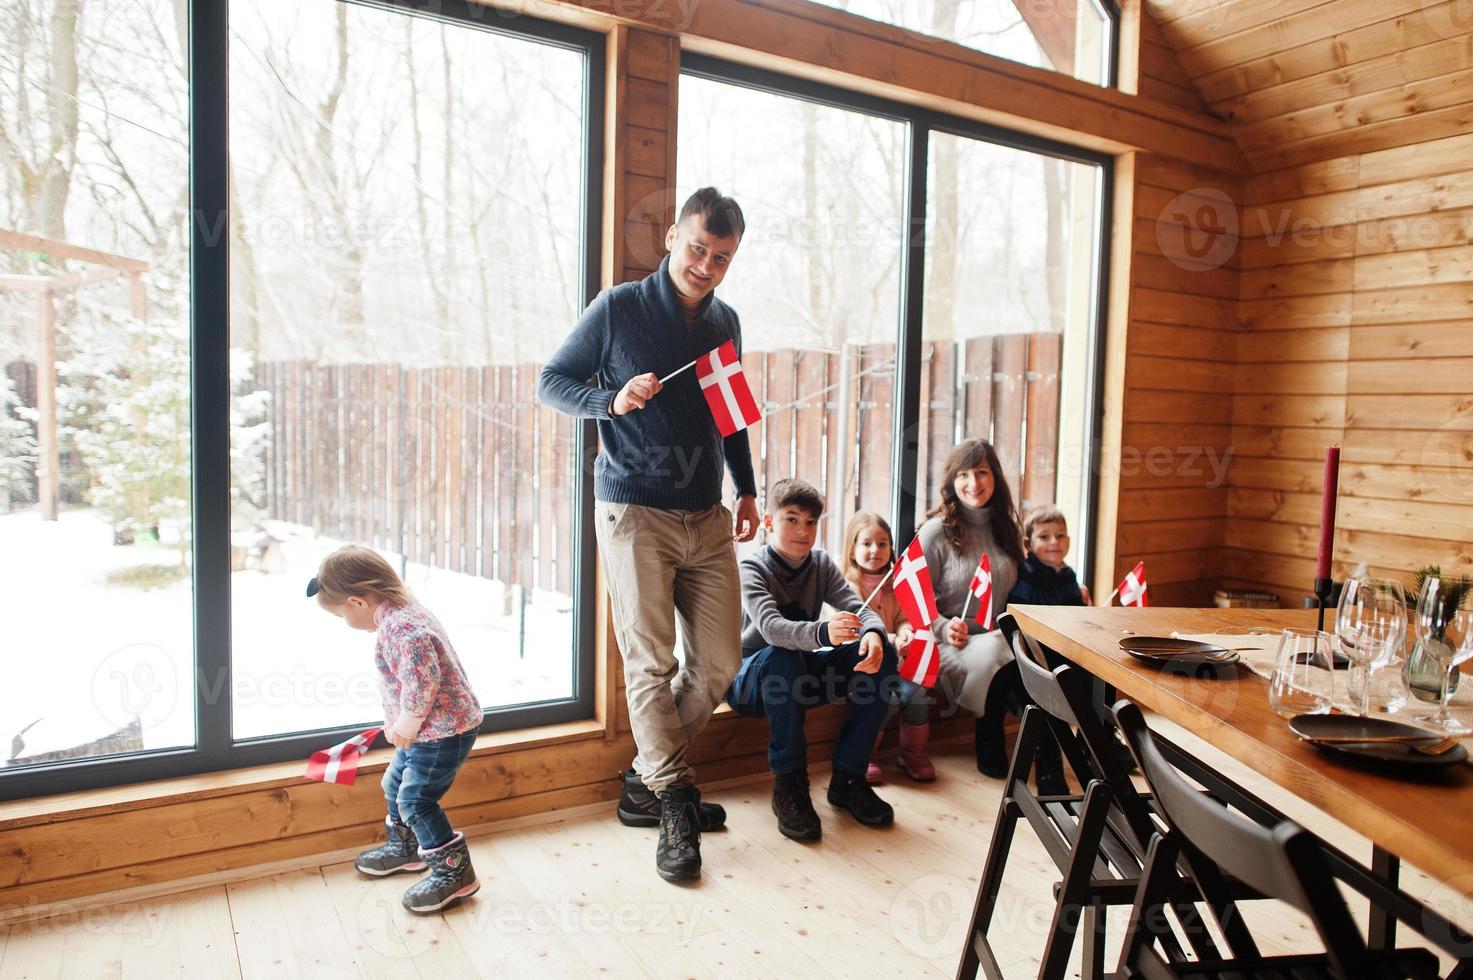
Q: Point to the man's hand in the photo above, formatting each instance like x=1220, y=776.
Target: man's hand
x=744, y=522
x=843, y=628
x=874, y=653
x=636, y=392
x=956, y=632
x=904, y=635
x=396, y=740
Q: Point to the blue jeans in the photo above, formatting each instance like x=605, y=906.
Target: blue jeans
x=416, y=780
x=782, y=685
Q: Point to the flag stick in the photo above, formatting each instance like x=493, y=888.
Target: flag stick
x=678, y=371
x=966, y=604
x=1111, y=597
x=881, y=585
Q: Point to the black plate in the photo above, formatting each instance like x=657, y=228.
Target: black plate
x=1171, y=651
x=1312, y=727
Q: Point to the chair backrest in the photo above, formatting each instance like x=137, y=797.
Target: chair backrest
x=1042, y=684
x=1284, y=862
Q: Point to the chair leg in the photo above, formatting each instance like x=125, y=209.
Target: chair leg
x=1092, y=958
x=1156, y=874
x=1075, y=901
x=1003, y=829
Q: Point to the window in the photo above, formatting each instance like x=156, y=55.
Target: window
x=906, y=281
x=394, y=274
x=1009, y=316
x=816, y=280
x=95, y=519
x=1075, y=37
x=410, y=200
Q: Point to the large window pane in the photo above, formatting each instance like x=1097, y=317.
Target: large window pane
x=1069, y=36
x=406, y=196
x=816, y=280
x=94, y=381
x=1008, y=313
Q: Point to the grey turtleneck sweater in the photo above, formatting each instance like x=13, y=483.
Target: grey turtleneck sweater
x=951, y=571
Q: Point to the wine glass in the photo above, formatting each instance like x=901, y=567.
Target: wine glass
x=1302, y=682
x=1443, y=629
x=1371, y=624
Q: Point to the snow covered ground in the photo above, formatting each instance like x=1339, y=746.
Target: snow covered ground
x=84, y=656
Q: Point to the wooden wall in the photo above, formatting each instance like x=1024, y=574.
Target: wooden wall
x=1357, y=302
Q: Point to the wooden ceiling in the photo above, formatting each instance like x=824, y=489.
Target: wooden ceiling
x=1304, y=80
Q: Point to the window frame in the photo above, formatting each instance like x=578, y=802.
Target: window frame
x=215, y=747
x=920, y=124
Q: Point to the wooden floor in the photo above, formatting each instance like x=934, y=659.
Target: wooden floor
x=580, y=898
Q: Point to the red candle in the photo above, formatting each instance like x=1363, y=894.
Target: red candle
x=1327, y=512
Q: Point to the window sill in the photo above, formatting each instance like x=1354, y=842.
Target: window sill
x=135, y=796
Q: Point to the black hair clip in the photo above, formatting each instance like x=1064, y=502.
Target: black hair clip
x=313, y=587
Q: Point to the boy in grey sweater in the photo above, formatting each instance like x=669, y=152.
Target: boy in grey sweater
x=793, y=660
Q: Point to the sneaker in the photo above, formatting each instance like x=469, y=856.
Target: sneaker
x=678, y=851
x=399, y=853
x=638, y=807
x=451, y=877
x=849, y=791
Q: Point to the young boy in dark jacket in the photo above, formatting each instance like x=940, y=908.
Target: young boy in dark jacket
x=1043, y=578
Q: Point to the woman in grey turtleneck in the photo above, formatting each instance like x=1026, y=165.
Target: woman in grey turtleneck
x=976, y=514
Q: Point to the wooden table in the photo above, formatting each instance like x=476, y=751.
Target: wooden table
x=1427, y=822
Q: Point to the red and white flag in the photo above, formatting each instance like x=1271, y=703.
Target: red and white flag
x=982, y=591
x=913, y=587
x=339, y=764
x=1132, y=588
x=726, y=390
x=918, y=600
x=922, y=660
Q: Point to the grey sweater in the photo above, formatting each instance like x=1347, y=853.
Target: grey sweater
x=781, y=604
x=951, y=571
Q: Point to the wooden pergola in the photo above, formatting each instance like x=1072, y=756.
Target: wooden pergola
x=105, y=266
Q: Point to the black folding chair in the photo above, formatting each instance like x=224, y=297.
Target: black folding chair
x=1098, y=839
x=1282, y=861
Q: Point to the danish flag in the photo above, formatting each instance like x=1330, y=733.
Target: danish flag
x=725, y=387
x=339, y=764
x=1133, y=587
x=982, y=590
x=918, y=600
x=922, y=660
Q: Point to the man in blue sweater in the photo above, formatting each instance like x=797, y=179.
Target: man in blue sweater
x=663, y=534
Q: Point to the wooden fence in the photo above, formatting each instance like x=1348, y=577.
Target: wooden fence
x=460, y=468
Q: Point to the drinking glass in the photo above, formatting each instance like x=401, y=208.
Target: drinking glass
x=1443, y=630
x=1371, y=625
x=1303, y=682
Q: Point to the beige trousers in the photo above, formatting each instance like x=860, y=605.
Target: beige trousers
x=660, y=564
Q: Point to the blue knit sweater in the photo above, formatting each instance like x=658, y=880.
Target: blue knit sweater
x=669, y=454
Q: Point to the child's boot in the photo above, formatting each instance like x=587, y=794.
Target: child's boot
x=451, y=877
x=849, y=791
x=913, y=759
x=399, y=853
x=796, y=818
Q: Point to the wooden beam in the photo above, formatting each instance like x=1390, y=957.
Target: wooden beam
x=809, y=40
x=24, y=242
